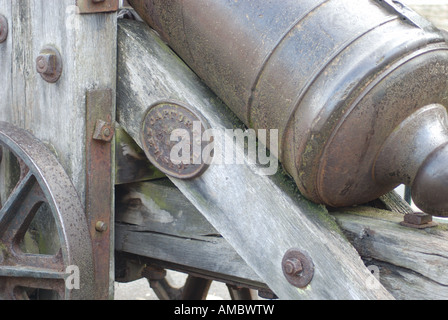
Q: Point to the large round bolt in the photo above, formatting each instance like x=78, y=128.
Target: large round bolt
x=298, y=268
x=3, y=28
x=49, y=64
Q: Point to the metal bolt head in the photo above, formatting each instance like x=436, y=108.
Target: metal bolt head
x=298, y=268
x=103, y=131
x=293, y=266
x=49, y=64
x=101, y=226
x=106, y=132
x=418, y=220
x=3, y=28
x=46, y=63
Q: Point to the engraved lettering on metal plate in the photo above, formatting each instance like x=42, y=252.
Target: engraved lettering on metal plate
x=160, y=122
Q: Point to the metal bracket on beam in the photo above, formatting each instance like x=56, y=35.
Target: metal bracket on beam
x=97, y=6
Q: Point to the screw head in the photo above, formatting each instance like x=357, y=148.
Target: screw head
x=3, y=28
x=298, y=268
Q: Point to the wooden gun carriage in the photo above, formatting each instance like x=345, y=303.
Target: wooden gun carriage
x=90, y=94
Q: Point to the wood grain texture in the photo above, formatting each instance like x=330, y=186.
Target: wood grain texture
x=260, y=216
x=156, y=221
x=412, y=263
x=56, y=113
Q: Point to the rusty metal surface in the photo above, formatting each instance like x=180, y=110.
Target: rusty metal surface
x=298, y=268
x=418, y=220
x=99, y=186
x=49, y=64
x=335, y=77
x=42, y=181
x=159, y=125
x=97, y=6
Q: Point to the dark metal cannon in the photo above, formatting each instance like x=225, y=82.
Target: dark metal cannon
x=357, y=89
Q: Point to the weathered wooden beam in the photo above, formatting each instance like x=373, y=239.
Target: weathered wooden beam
x=156, y=221
x=410, y=263
x=262, y=217
x=56, y=112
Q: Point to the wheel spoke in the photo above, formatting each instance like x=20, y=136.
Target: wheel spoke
x=43, y=228
x=30, y=272
x=26, y=275
x=19, y=209
x=31, y=288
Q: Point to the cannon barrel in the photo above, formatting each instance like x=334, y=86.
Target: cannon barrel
x=357, y=88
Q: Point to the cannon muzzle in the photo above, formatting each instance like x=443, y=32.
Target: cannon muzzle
x=357, y=88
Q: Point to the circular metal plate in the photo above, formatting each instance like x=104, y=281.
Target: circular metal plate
x=303, y=278
x=171, y=128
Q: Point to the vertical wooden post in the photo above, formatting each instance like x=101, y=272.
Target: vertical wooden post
x=56, y=112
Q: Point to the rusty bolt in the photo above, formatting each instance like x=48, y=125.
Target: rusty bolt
x=418, y=220
x=293, y=266
x=101, y=226
x=46, y=63
x=49, y=64
x=103, y=131
x=3, y=28
x=298, y=268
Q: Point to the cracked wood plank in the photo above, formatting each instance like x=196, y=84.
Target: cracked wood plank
x=412, y=263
